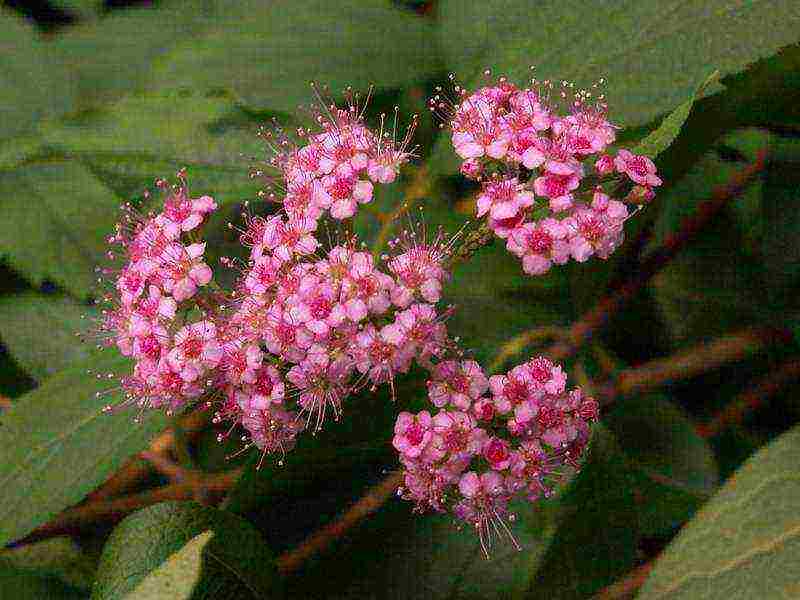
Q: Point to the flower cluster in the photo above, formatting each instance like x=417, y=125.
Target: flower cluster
x=309, y=323
x=491, y=440
x=145, y=316
x=548, y=185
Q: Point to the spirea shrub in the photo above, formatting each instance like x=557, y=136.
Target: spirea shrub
x=314, y=317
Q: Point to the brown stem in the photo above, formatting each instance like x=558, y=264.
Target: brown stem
x=597, y=317
x=691, y=362
x=87, y=514
x=627, y=588
x=751, y=399
x=137, y=469
x=377, y=495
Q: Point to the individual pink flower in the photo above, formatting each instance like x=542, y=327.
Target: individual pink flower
x=412, y=433
x=347, y=191
x=195, y=348
x=316, y=305
x=558, y=188
x=497, y=453
x=540, y=245
x=295, y=237
x=640, y=169
x=457, y=383
x=181, y=213
x=503, y=198
x=185, y=270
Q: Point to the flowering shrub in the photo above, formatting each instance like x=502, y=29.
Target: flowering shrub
x=307, y=325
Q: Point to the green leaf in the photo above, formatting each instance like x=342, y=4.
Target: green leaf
x=268, y=53
x=675, y=468
x=181, y=126
x=175, y=544
x=743, y=543
x=113, y=56
x=57, y=444
x=659, y=140
x=33, y=82
x=129, y=175
x=597, y=532
x=651, y=53
x=40, y=332
x=178, y=575
x=56, y=217
x=19, y=584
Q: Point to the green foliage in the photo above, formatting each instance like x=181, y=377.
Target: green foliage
x=744, y=542
x=40, y=332
x=651, y=54
x=185, y=547
x=268, y=53
x=20, y=584
x=597, y=532
x=56, y=217
x=33, y=82
x=659, y=140
x=57, y=444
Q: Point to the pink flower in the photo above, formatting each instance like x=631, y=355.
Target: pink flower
x=195, y=349
x=316, y=306
x=540, y=245
x=294, y=237
x=604, y=165
x=497, y=452
x=346, y=192
x=457, y=383
x=503, y=199
x=412, y=433
x=639, y=169
x=185, y=270
x=558, y=188
x=182, y=214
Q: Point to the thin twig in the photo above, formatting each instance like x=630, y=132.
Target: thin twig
x=377, y=495
x=137, y=469
x=626, y=588
x=88, y=514
x=751, y=399
x=690, y=226
x=692, y=361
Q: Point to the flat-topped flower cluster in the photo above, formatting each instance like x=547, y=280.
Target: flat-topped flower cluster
x=547, y=181
x=307, y=325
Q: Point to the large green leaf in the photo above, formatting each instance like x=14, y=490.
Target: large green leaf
x=113, y=56
x=40, y=332
x=745, y=543
x=267, y=53
x=165, y=543
x=652, y=53
x=178, y=575
x=170, y=125
x=57, y=444
x=55, y=219
x=33, y=82
x=660, y=139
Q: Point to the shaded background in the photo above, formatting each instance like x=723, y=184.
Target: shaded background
x=695, y=370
